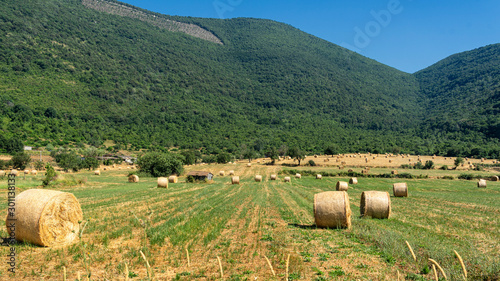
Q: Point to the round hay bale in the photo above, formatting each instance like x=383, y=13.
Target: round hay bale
x=2, y=173
x=34, y=172
x=332, y=209
x=350, y=171
x=493, y=178
x=353, y=181
x=104, y=168
x=390, y=161
x=14, y=172
x=173, y=179
x=274, y=177
x=114, y=165
x=342, y=186
x=318, y=176
x=375, y=204
x=400, y=189
x=46, y=217
x=133, y=178
x=222, y=173
x=365, y=171
x=394, y=172
x=298, y=176
x=481, y=183
x=162, y=182
x=258, y=178
x=249, y=165
x=97, y=172
x=235, y=180
x=26, y=172
x=287, y=179
x=231, y=173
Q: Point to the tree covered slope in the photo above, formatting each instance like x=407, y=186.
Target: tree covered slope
x=74, y=73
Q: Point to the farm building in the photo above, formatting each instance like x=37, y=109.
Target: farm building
x=200, y=175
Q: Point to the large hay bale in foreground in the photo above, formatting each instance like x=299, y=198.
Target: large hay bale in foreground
x=332, y=209
x=97, y=172
x=162, y=182
x=258, y=178
x=400, y=189
x=493, y=178
x=342, y=186
x=481, y=183
x=287, y=179
x=375, y=204
x=173, y=179
x=274, y=177
x=46, y=217
x=353, y=181
x=319, y=176
x=235, y=180
x=133, y=178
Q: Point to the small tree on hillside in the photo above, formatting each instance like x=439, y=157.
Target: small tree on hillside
x=459, y=161
x=21, y=160
x=297, y=153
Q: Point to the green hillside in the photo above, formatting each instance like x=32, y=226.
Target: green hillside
x=462, y=96
x=74, y=73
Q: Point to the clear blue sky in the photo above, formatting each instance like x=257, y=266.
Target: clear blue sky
x=406, y=34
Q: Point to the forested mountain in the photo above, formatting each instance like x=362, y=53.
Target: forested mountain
x=73, y=73
x=462, y=96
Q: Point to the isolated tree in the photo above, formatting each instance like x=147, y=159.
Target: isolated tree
x=273, y=154
x=297, y=153
x=21, y=160
x=459, y=161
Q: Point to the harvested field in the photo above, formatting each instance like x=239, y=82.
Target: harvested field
x=242, y=224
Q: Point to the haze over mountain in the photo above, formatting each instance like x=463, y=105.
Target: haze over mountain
x=87, y=71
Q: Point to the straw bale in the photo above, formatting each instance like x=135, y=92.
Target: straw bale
x=375, y=204
x=332, y=209
x=235, y=180
x=133, y=178
x=231, y=173
x=249, y=165
x=97, y=172
x=342, y=186
x=46, y=217
x=298, y=176
x=2, y=173
x=14, y=172
x=394, y=172
x=34, y=172
x=319, y=176
x=493, y=178
x=353, y=181
x=400, y=189
x=173, y=179
x=481, y=183
x=258, y=178
x=274, y=177
x=287, y=179
x=162, y=182
x=222, y=173
x=26, y=172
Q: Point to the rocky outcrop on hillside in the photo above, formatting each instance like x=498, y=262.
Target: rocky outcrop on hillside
x=170, y=25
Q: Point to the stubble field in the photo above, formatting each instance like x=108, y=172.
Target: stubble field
x=242, y=225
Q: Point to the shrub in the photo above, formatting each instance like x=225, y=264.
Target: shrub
x=159, y=164
x=20, y=160
x=428, y=165
x=50, y=175
x=223, y=158
x=444, y=167
x=38, y=164
x=311, y=163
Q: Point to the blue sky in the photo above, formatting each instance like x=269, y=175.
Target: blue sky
x=406, y=34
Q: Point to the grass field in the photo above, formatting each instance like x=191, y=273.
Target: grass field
x=243, y=224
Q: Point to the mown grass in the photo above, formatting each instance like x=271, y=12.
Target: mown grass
x=242, y=223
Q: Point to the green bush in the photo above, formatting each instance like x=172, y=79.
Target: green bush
x=20, y=160
x=50, y=175
x=311, y=163
x=159, y=164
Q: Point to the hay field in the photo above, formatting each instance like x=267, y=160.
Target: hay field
x=243, y=224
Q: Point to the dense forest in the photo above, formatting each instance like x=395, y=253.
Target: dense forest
x=72, y=75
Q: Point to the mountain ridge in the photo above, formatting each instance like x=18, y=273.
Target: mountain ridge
x=73, y=74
